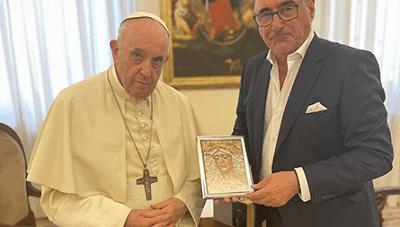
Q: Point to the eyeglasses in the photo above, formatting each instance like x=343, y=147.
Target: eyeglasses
x=286, y=13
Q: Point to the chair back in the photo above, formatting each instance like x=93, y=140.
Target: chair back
x=14, y=204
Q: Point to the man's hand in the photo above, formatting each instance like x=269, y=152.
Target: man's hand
x=145, y=218
x=228, y=200
x=275, y=190
x=173, y=209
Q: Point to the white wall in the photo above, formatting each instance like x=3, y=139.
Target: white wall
x=215, y=108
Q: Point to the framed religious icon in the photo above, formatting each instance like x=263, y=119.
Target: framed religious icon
x=211, y=40
x=224, y=167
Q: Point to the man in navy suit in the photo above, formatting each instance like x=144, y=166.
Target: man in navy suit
x=314, y=122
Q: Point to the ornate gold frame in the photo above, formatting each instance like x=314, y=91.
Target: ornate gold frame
x=190, y=81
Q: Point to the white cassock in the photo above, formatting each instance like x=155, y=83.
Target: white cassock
x=88, y=166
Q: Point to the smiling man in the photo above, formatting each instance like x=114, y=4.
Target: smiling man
x=118, y=149
x=314, y=122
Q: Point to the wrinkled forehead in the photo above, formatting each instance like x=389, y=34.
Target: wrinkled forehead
x=147, y=25
x=144, y=33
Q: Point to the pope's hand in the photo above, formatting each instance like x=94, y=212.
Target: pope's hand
x=275, y=190
x=172, y=208
x=145, y=218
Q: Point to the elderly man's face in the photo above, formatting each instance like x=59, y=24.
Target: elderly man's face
x=285, y=37
x=139, y=55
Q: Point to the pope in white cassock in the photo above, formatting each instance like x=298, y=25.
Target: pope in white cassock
x=119, y=149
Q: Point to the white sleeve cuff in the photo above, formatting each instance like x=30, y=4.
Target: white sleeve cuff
x=304, y=193
x=72, y=210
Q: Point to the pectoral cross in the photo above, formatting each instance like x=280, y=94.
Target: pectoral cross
x=146, y=180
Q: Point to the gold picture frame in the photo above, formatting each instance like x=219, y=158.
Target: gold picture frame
x=210, y=40
x=224, y=167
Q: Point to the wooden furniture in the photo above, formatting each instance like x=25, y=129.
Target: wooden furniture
x=388, y=215
x=15, y=190
x=211, y=222
x=240, y=214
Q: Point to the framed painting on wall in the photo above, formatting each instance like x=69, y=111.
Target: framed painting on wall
x=210, y=40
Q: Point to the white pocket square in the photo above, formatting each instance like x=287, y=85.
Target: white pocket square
x=316, y=107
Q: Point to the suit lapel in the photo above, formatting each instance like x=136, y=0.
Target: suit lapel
x=259, y=95
x=302, y=86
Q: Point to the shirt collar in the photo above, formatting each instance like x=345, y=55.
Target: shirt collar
x=301, y=51
x=117, y=87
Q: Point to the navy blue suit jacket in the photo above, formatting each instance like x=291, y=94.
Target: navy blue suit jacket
x=341, y=149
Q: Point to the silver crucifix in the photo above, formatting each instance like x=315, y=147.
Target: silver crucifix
x=146, y=180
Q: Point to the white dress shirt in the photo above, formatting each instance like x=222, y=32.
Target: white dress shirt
x=275, y=106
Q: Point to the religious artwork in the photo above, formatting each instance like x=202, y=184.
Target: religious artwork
x=224, y=167
x=211, y=40
x=146, y=181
